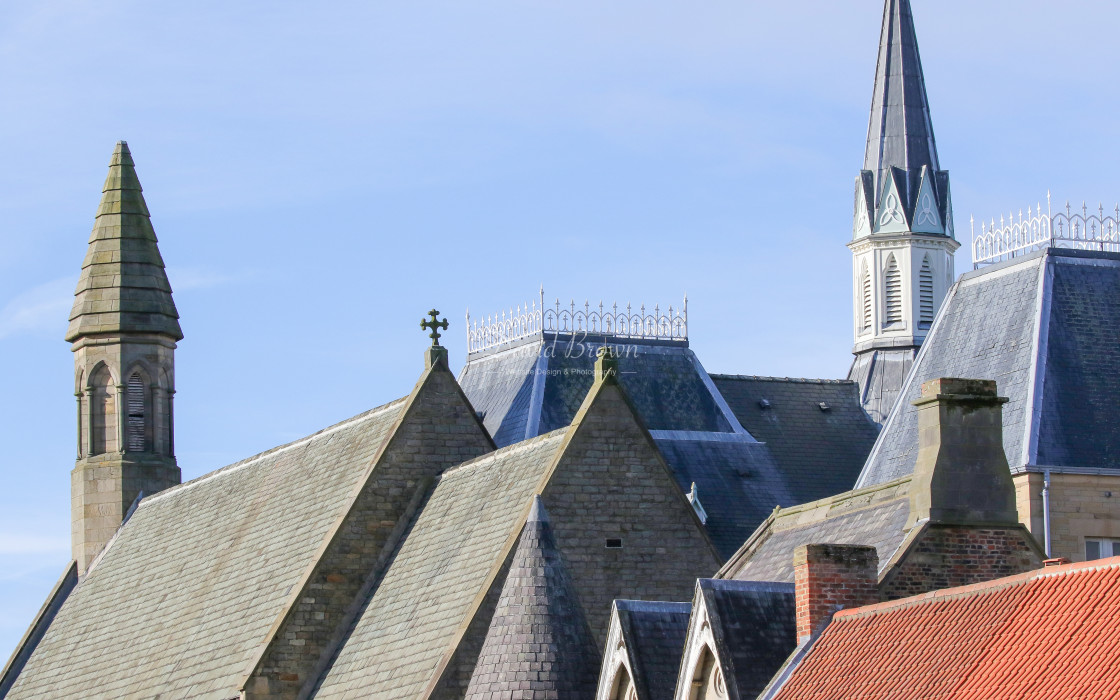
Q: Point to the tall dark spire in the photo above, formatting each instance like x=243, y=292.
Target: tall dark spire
x=900, y=132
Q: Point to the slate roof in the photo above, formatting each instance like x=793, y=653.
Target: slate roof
x=447, y=560
x=754, y=626
x=538, y=644
x=1060, y=375
x=737, y=481
x=520, y=398
x=880, y=374
x=123, y=286
x=900, y=131
x=183, y=597
x=819, y=450
x=972, y=642
x=654, y=634
x=874, y=516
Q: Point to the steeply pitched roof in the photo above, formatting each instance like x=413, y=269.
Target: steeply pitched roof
x=900, y=131
x=971, y=642
x=500, y=387
x=449, y=559
x=654, y=635
x=874, y=516
x=880, y=374
x=538, y=644
x=737, y=482
x=754, y=626
x=183, y=597
x=1043, y=327
x=816, y=429
x=123, y=287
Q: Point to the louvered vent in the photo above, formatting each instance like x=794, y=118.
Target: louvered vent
x=893, y=285
x=866, y=300
x=135, y=395
x=925, y=295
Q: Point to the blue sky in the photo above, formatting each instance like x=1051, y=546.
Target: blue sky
x=321, y=174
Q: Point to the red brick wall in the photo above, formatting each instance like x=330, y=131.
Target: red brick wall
x=828, y=577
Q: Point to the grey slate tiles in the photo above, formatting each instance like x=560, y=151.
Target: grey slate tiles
x=880, y=374
x=654, y=634
x=815, y=429
x=754, y=626
x=184, y=596
x=500, y=387
x=539, y=646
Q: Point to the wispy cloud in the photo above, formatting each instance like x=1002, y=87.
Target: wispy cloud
x=41, y=308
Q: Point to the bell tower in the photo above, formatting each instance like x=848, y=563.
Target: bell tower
x=902, y=234
x=123, y=331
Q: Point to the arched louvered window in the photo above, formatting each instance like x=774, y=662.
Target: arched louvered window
x=103, y=412
x=925, y=295
x=866, y=296
x=137, y=424
x=892, y=283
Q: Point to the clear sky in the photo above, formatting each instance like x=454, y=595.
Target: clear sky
x=321, y=174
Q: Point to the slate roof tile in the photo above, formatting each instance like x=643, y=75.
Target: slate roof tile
x=654, y=634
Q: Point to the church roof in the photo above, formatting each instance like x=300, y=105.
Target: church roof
x=538, y=643
x=449, y=560
x=754, y=626
x=784, y=413
x=1043, y=327
x=900, y=132
x=874, y=516
x=182, y=598
x=123, y=287
x=971, y=642
x=654, y=634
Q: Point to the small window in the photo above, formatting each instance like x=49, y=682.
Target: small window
x=1101, y=549
x=865, y=284
x=137, y=426
x=892, y=281
x=925, y=295
x=614, y=543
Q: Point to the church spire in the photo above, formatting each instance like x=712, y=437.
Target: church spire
x=123, y=287
x=902, y=232
x=123, y=330
x=900, y=132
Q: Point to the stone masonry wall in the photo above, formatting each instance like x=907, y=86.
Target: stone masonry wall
x=1081, y=506
x=439, y=431
x=611, y=484
x=950, y=555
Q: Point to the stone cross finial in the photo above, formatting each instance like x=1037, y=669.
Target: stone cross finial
x=433, y=325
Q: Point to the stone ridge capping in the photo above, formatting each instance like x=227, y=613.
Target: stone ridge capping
x=791, y=380
x=353, y=556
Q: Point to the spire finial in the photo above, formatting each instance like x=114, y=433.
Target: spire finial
x=434, y=325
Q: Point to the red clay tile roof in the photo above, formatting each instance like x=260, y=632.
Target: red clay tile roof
x=1047, y=634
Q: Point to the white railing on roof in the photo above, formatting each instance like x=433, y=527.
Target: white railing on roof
x=1013, y=237
x=531, y=320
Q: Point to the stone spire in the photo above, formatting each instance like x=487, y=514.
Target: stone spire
x=539, y=644
x=123, y=330
x=123, y=287
x=902, y=231
x=900, y=132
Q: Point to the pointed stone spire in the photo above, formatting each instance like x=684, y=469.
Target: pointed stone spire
x=539, y=644
x=900, y=132
x=123, y=287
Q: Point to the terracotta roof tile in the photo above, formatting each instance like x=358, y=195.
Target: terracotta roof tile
x=972, y=642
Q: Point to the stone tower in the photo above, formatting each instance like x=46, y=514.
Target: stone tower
x=902, y=235
x=123, y=329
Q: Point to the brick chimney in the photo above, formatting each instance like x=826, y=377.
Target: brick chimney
x=961, y=475
x=829, y=577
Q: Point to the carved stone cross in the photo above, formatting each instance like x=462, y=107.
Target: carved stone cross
x=434, y=325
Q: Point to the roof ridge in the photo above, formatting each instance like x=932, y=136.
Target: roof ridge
x=235, y=466
x=840, y=497
x=792, y=380
x=984, y=587
x=502, y=452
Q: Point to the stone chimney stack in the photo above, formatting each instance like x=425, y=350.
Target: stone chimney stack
x=961, y=475
x=830, y=577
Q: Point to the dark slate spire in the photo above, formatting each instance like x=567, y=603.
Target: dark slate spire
x=539, y=644
x=900, y=133
x=123, y=287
